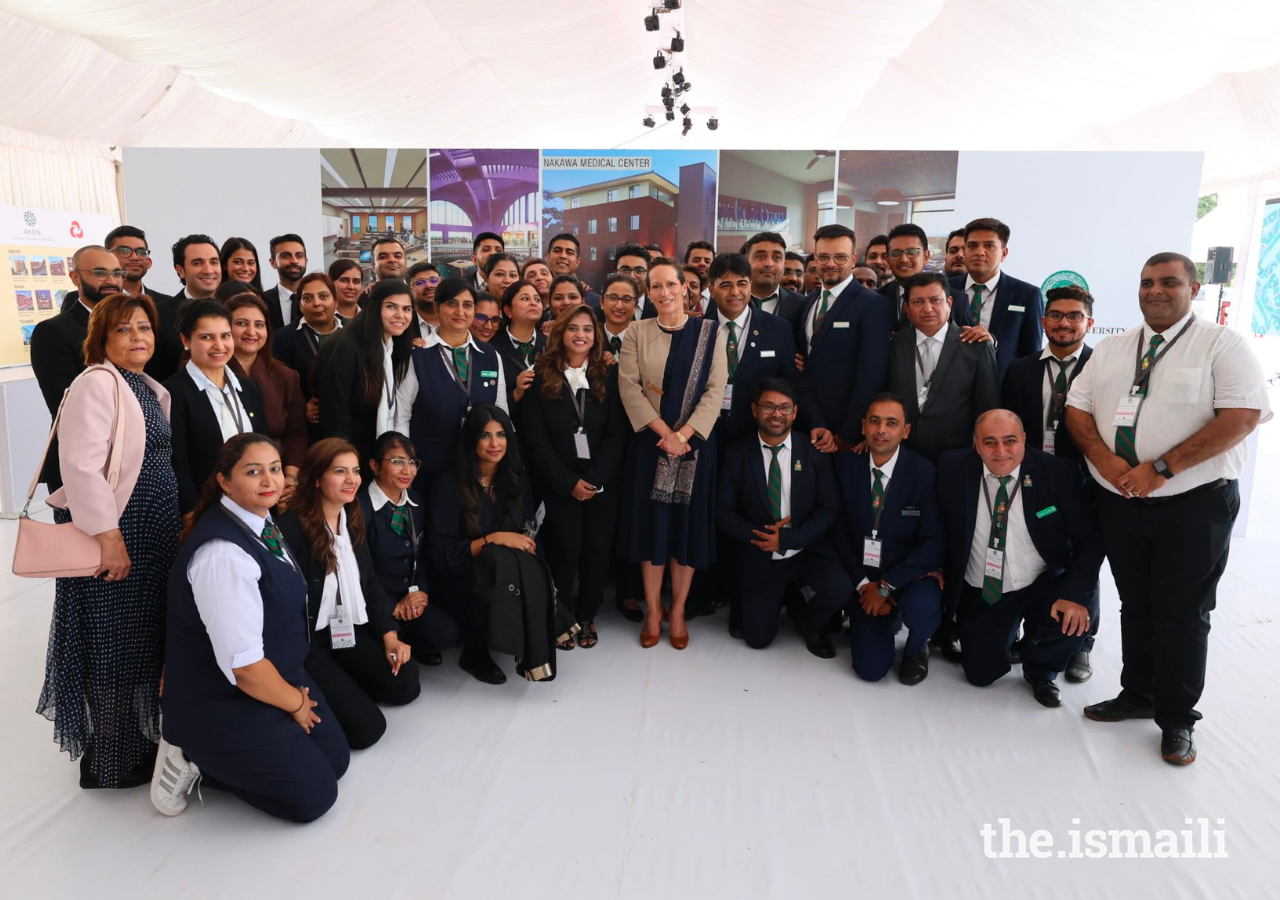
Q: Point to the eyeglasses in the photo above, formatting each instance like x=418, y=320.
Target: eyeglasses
x=426, y=282
x=1075, y=318
x=113, y=274
x=769, y=408
x=632, y=270
x=909, y=253
x=126, y=252
x=399, y=463
x=482, y=319
x=618, y=298
x=838, y=258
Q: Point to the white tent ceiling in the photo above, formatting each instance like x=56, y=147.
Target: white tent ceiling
x=864, y=74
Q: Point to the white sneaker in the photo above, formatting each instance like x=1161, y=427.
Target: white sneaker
x=173, y=779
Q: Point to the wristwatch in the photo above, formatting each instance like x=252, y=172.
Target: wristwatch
x=1162, y=469
x=681, y=438
x=885, y=589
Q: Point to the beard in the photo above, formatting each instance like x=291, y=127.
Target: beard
x=93, y=295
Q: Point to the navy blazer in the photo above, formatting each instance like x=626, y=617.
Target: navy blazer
x=742, y=502
x=397, y=562
x=1060, y=519
x=767, y=350
x=1022, y=392
x=911, y=529
x=959, y=305
x=790, y=307
x=848, y=362
x=1016, y=331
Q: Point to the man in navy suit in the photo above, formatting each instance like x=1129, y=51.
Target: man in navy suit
x=767, y=253
x=891, y=540
x=1009, y=309
x=907, y=256
x=778, y=500
x=1023, y=547
x=844, y=337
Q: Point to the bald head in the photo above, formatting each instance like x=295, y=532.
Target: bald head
x=998, y=420
x=86, y=249
x=96, y=273
x=999, y=438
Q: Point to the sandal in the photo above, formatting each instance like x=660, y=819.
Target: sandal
x=566, y=644
x=588, y=638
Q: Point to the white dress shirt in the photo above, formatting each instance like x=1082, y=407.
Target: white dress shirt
x=425, y=328
x=1022, y=563
x=224, y=582
x=770, y=303
x=386, y=414
x=639, y=308
x=378, y=497
x=784, y=463
x=988, y=297
x=226, y=413
x=886, y=475
x=740, y=325
x=1046, y=383
x=407, y=392
x=346, y=577
x=1210, y=368
x=809, y=327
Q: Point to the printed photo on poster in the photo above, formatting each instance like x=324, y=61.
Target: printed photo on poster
x=789, y=192
x=18, y=266
x=57, y=267
x=366, y=194
x=661, y=199
x=474, y=192
x=39, y=268
x=27, y=331
x=26, y=301
x=44, y=299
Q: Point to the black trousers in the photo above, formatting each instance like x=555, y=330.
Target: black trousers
x=1167, y=556
x=764, y=589
x=987, y=631
x=577, y=538
x=356, y=680
x=871, y=637
x=432, y=631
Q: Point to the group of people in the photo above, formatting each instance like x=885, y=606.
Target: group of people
x=327, y=484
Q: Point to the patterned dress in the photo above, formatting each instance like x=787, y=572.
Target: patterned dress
x=106, y=644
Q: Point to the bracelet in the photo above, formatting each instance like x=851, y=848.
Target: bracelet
x=302, y=704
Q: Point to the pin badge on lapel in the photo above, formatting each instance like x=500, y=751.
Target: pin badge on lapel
x=1026, y=481
x=753, y=343
x=798, y=467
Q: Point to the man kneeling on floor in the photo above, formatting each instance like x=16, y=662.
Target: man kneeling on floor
x=1023, y=546
x=778, y=498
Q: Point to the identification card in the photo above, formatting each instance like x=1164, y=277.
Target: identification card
x=727, y=403
x=580, y=443
x=1127, y=411
x=342, y=632
x=871, y=552
x=1050, y=440
x=995, y=564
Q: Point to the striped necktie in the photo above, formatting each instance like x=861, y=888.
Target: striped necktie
x=460, y=364
x=731, y=348
x=992, y=588
x=1126, y=435
x=1059, y=394
x=271, y=537
x=775, y=483
x=975, y=305
x=400, y=519
x=822, y=309
x=877, y=492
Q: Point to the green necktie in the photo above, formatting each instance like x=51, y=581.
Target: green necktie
x=775, y=484
x=822, y=309
x=1126, y=439
x=400, y=519
x=975, y=305
x=1059, y=394
x=615, y=345
x=525, y=348
x=877, y=493
x=731, y=348
x=460, y=364
x=271, y=539
x=992, y=587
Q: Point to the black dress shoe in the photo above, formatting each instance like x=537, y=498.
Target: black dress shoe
x=1045, y=691
x=1015, y=653
x=1079, y=669
x=1177, y=747
x=631, y=615
x=820, y=645
x=1119, y=709
x=835, y=624
x=735, y=626
x=914, y=669
x=947, y=639
x=482, y=668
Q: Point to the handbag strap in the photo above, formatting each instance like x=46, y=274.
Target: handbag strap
x=113, y=461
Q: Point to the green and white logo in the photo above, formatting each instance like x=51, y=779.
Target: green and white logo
x=1064, y=278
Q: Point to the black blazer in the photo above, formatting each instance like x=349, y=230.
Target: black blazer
x=272, y=299
x=393, y=555
x=790, y=307
x=742, y=502
x=376, y=602
x=847, y=363
x=449, y=542
x=959, y=305
x=167, y=357
x=548, y=427
x=911, y=529
x=1015, y=321
x=766, y=350
x=964, y=386
x=512, y=362
x=1059, y=518
x=1022, y=392
x=293, y=348
x=57, y=357
x=340, y=386
x=197, y=436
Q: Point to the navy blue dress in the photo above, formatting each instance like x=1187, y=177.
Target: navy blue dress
x=106, y=644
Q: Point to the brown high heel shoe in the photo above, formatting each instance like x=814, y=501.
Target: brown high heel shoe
x=650, y=639
x=679, y=641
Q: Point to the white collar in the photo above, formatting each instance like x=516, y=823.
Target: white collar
x=1168, y=334
x=939, y=336
x=741, y=321
x=1047, y=353
x=85, y=305
x=284, y=291
x=621, y=334
x=203, y=383
x=515, y=340
x=1013, y=476
x=337, y=323
x=887, y=468
x=256, y=523
x=989, y=288
x=837, y=290
x=776, y=295
x=786, y=443
x=378, y=498
x=434, y=340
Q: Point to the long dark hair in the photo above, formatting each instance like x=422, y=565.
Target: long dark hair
x=235, y=244
x=223, y=464
x=551, y=364
x=266, y=354
x=364, y=332
x=508, y=493
x=308, y=505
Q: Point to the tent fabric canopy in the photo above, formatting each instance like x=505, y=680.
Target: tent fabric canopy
x=867, y=74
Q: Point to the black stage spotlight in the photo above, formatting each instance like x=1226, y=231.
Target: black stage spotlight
x=648, y=121
x=684, y=109
x=669, y=103
x=651, y=23
x=666, y=91
x=671, y=4
x=659, y=61
x=688, y=124
x=677, y=44
x=671, y=116
x=678, y=78
x=713, y=123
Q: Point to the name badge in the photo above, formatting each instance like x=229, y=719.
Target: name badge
x=1050, y=440
x=768, y=354
x=871, y=552
x=994, y=567
x=580, y=443
x=342, y=632
x=1047, y=511
x=839, y=324
x=1017, y=309
x=911, y=512
x=727, y=403
x=487, y=374
x=1127, y=411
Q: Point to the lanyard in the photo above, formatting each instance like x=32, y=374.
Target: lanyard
x=446, y=353
x=313, y=337
x=991, y=511
x=284, y=545
x=232, y=407
x=413, y=538
x=580, y=407
x=1142, y=379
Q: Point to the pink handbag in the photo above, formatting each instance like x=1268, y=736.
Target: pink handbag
x=47, y=550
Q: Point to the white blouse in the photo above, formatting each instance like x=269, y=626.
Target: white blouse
x=346, y=577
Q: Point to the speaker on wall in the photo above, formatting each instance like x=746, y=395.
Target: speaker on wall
x=1217, y=266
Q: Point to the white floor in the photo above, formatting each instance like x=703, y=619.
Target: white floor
x=713, y=772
